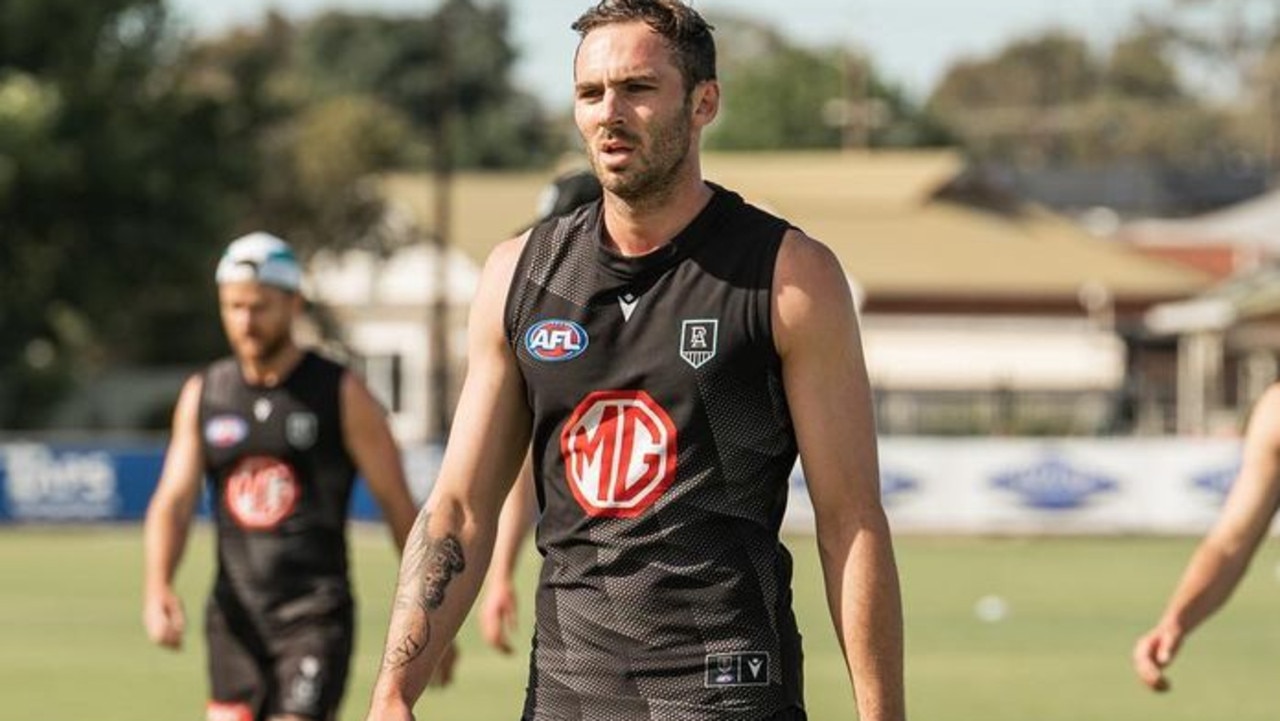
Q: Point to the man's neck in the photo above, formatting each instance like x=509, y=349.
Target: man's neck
x=637, y=228
x=271, y=371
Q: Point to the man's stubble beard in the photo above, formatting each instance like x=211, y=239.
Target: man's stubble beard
x=654, y=183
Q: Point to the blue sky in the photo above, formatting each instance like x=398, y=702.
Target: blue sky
x=912, y=41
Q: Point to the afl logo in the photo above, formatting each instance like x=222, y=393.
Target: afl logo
x=261, y=492
x=556, y=340
x=225, y=431
x=619, y=450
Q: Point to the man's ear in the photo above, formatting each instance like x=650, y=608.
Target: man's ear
x=706, y=102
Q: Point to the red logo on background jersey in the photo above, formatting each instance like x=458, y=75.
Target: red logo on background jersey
x=218, y=711
x=619, y=450
x=261, y=492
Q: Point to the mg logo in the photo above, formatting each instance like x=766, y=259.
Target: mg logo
x=261, y=492
x=619, y=451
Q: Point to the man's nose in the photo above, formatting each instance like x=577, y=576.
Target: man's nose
x=611, y=108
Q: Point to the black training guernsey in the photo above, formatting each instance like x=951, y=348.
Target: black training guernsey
x=662, y=445
x=280, y=482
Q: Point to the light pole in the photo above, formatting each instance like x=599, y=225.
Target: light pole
x=442, y=174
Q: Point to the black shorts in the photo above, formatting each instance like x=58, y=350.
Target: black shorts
x=299, y=668
x=791, y=714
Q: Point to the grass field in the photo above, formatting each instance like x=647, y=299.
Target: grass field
x=72, y=647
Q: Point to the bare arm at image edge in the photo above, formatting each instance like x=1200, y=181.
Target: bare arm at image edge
x=449, y=545
x=816, y=331
x=1221, y=559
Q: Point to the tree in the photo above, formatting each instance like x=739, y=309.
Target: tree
x=110, y=190
x=1041, y=72
x=778, y=95
x=459, y=57
x=1241, y=40
x=1141, y=67
x=1049, y=100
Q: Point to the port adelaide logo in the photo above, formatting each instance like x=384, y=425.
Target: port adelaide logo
x=698, y=341
x=556, y=340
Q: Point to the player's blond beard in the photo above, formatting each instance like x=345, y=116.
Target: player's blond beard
x=271, y=349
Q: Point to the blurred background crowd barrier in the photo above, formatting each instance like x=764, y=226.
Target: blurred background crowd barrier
x=931, y=486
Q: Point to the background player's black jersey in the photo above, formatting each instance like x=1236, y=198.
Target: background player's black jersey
x=280, y=482
x=662, y=446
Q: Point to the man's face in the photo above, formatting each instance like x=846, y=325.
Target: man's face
x=631, y=107
x=258, y=319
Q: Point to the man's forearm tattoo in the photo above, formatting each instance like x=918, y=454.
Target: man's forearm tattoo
x=430, y=565
x=442, y=561
x=409, y=648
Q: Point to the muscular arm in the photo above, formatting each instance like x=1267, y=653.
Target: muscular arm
x=816, y=331
x=449, y=546
x=498, y=609
x=168, y=521
x=1220, y=561
x=370, y=443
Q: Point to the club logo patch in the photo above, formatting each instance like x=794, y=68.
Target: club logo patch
x=301, y=429
x=261, y=492
x=262, y=409
x=619, y=450
x=556, y=340
x=225, y=431
x=698, y=341
x=306, y=685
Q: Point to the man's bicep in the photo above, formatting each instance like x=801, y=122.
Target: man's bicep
x=183, y=467
x=1256, y=492
x=367, y=434
x=825, y=378
x=491, y=425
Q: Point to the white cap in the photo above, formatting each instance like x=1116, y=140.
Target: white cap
x=260, y=258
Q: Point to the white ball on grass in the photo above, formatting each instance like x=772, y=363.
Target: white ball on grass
x=991, y=609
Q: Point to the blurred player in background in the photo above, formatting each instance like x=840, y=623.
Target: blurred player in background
x=1220, y=561
x=280, y=432
x=664, y=354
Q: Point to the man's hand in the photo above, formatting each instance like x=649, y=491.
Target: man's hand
x=498, y=616
x=163, y=617
x=444, y=670
x=1153, y=653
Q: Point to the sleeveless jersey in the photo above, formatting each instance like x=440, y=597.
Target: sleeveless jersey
x=280, y=482
x=662, y=446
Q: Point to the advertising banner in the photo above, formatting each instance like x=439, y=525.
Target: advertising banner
x=929, y=485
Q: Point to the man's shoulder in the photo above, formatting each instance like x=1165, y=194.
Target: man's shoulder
x=322, y=361
x=749, y=210
x=220, y=378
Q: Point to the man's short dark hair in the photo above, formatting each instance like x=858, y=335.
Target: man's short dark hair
x=685, y=31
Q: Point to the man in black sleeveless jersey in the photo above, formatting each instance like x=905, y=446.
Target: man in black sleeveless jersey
x=280, y=433
x=666, y=353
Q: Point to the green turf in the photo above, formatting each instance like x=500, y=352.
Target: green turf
x=72, y=647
